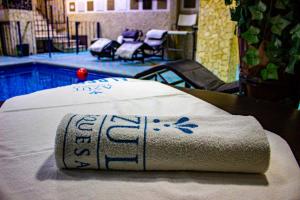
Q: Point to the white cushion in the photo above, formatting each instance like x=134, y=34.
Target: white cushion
x=156, y=34
x=187, y=20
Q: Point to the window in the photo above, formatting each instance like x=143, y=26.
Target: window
x=110, y=4
x=72, y=6
x=90, y=6
x=189, y=4
x=147, y=4
x=81, y=6
x=162, y=4
x=100, y=5
x=121, y=5
x=134, y=4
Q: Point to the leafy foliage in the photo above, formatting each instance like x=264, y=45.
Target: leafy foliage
x=257, y=11
x=275, y=23
x=295, y=50
x=251, y=35
x=251, y=57
x=270, y=72
x=278, y=24
x=281, y=4
x=295, y=32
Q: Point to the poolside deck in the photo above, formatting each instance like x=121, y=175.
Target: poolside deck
x=85, y=59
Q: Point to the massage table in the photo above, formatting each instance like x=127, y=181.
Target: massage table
x=27, y=134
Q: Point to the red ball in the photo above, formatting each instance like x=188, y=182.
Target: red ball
x=82, y=74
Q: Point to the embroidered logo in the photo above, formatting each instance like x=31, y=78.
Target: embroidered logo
x=95, y=87
x=181, y=124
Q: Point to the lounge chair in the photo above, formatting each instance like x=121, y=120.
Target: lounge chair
x=153, y=45
x=104, y=47
x=188, y=73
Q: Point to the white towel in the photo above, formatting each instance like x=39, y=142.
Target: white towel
x=126, y=50
x=156, y=34
x=100, y=44
x=120, y=142
x=153, y=43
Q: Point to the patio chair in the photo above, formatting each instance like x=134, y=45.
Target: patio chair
x=153, y=45
x=104, y=47
x=190, y=74
x=186, y=25
x=186, y=21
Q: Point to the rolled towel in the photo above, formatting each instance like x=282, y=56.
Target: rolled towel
x=120, y=142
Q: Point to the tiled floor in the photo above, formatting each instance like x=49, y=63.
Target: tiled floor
x=84, y=59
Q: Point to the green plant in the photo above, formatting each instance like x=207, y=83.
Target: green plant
x=271, y=31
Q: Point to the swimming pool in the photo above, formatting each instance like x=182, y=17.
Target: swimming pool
x=30, y=77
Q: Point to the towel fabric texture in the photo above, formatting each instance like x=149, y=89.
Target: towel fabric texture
x=130, y=142
x=100, y=44
x=127, y=49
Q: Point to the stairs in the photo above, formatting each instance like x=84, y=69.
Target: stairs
x=59, y=38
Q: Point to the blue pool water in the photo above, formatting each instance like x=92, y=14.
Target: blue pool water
x=30, y=77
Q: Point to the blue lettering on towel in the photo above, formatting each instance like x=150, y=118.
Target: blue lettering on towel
x=115, y=149
x=92, y=89
x=118, y=124
x=86, y=123
x=82, y=140
x=181, y=124
x=114, y=119
x=116, y=140
x=137, y=121
x=81, y=152
x=119, y=159
x=82, y=164
x=95, y=87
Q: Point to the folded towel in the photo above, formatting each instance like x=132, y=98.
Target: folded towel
x=100, y=44
x=156, y=34
x=212, y=143
x=126, y=50
x=153, y=43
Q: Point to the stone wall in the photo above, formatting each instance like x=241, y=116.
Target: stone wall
x=216, y=42
x=114, y=22
x=27, y=29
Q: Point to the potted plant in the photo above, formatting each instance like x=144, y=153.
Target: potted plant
x=269, y=32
